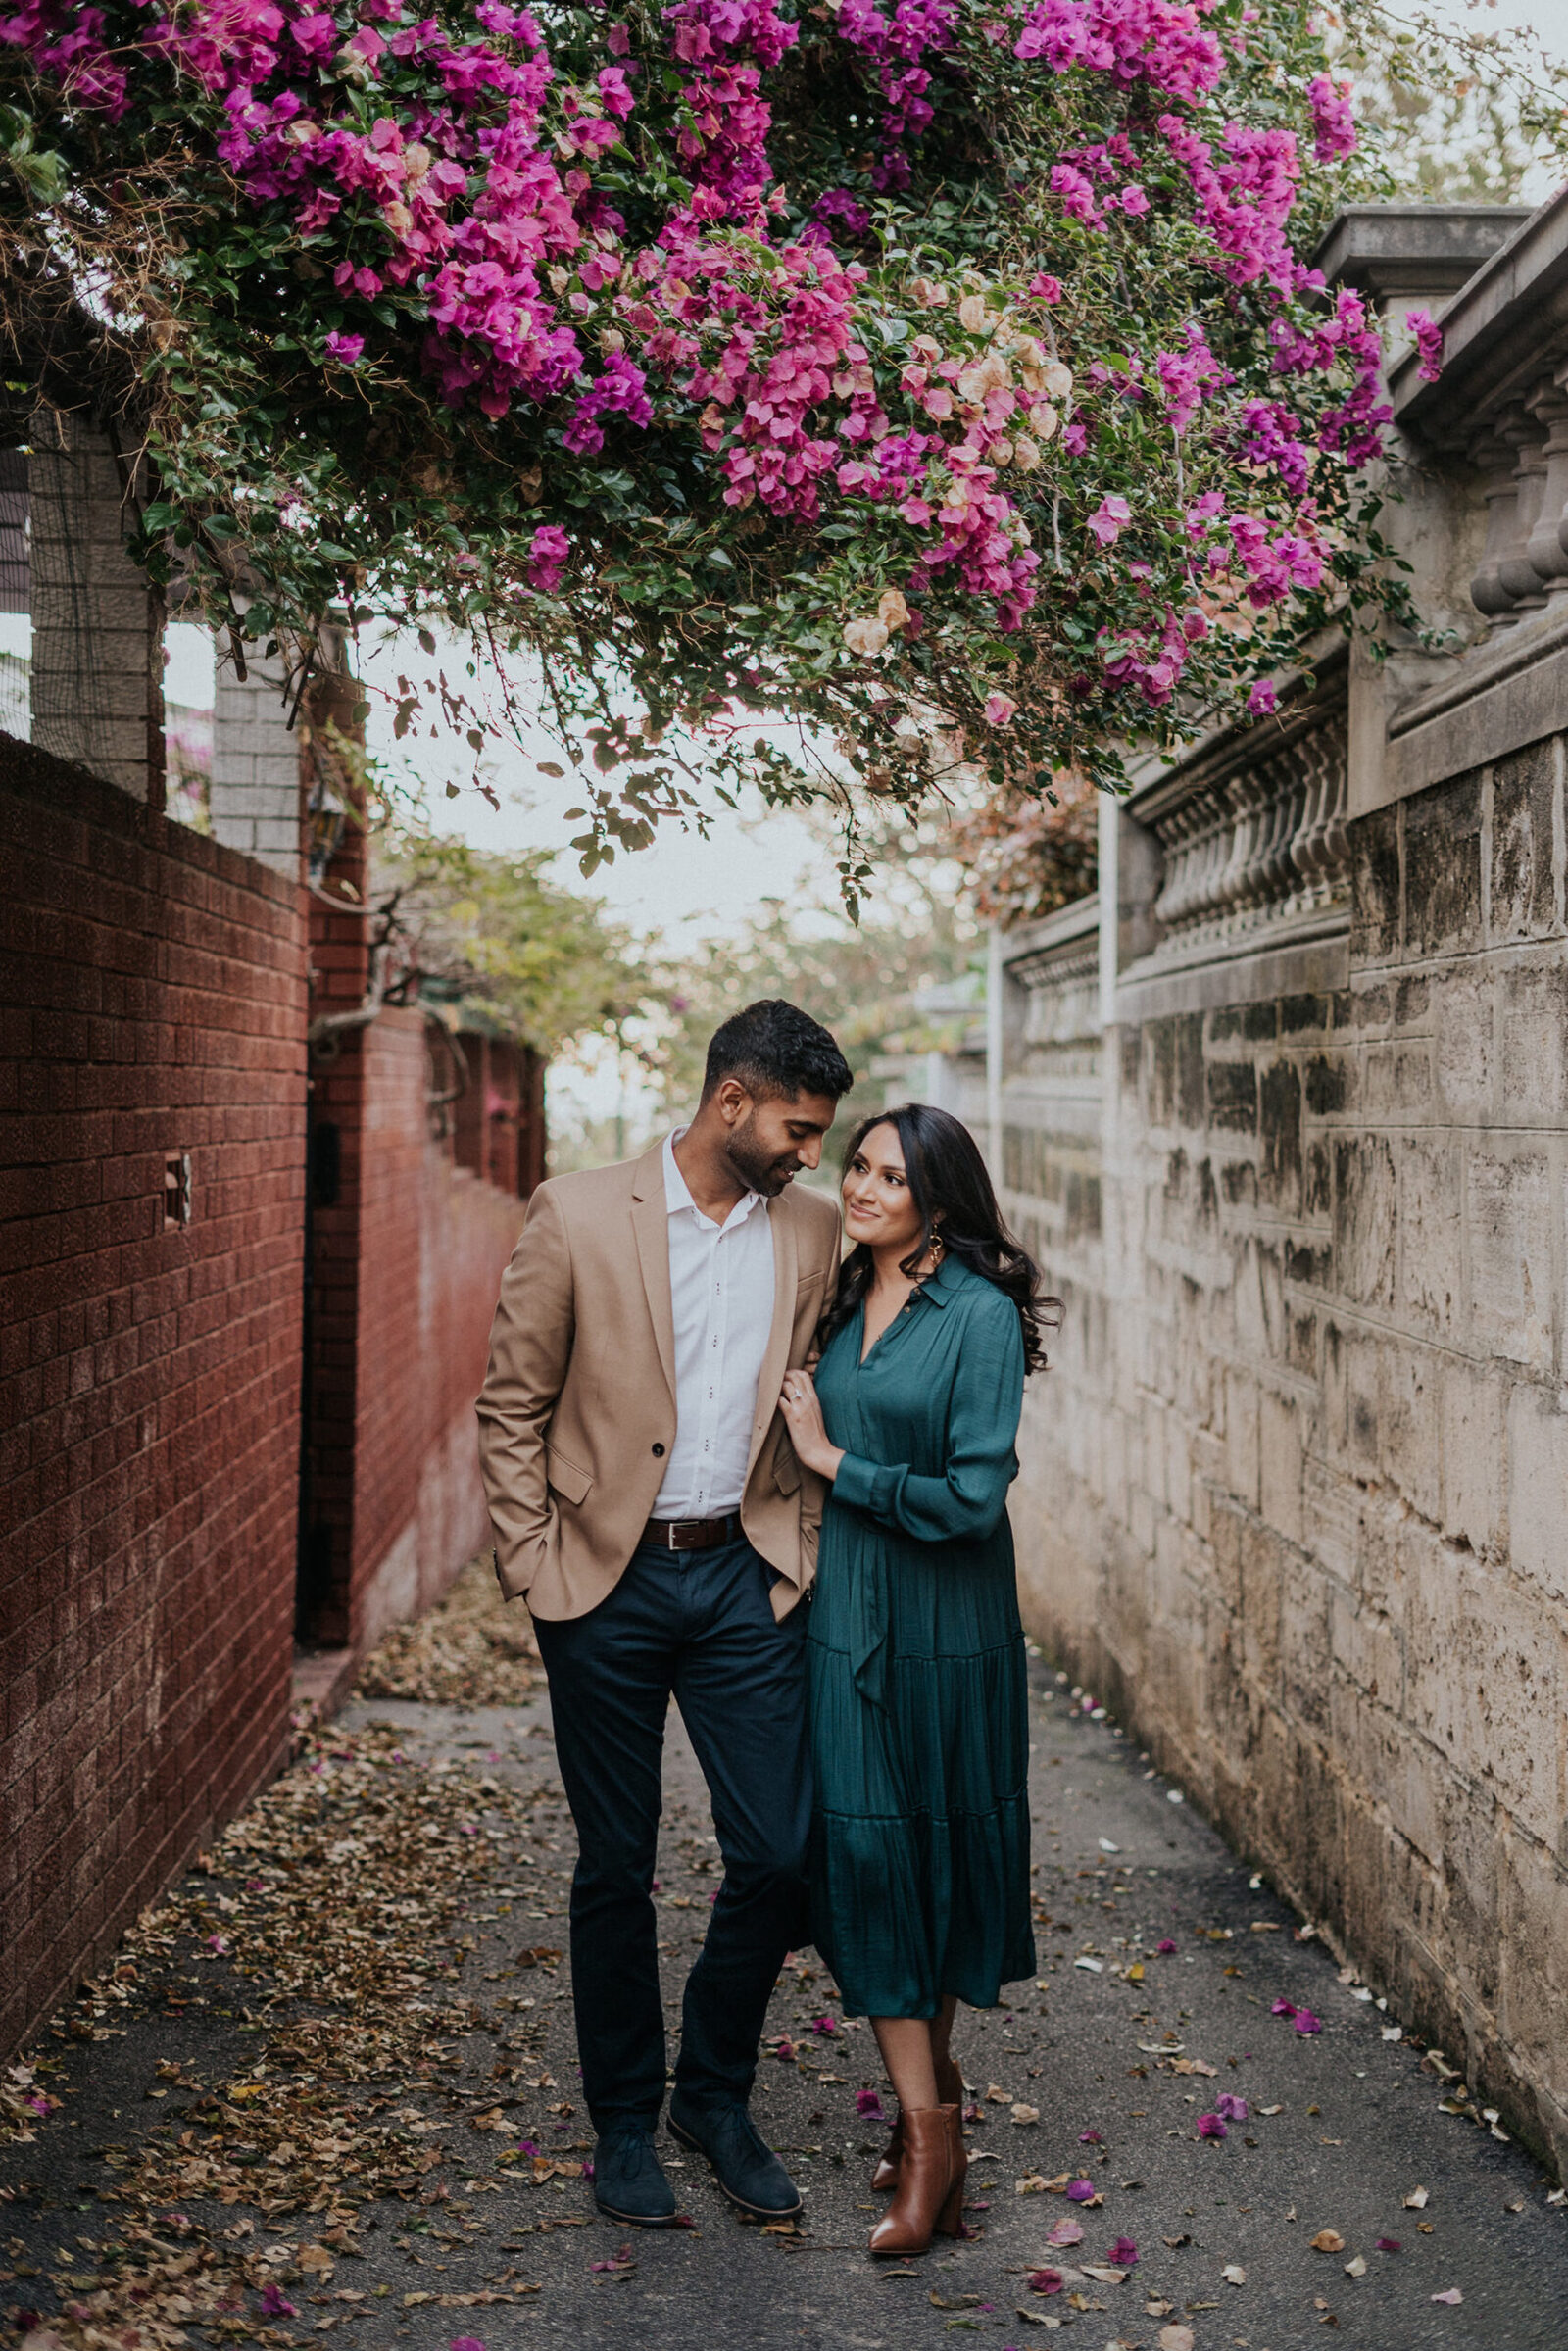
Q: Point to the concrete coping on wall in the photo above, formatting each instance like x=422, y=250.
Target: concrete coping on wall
x=1500, y=331
x=1397, y=249
x=1033, y=945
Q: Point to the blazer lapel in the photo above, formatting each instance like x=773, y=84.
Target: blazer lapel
x=786, y=1275
x=649, y=1223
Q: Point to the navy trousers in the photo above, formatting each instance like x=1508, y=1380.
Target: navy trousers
x=698, y=1626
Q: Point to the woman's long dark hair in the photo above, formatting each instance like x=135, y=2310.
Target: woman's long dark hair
x=951, y=1187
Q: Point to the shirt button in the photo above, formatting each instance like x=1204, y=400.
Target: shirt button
x=658, y=1451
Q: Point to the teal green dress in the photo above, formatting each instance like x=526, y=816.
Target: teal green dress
x=919, y=1722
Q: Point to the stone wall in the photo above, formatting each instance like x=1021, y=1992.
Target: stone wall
x=1293, y=1151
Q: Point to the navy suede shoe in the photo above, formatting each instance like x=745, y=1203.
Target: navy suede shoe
x=748, y=2173
x=629, y=2182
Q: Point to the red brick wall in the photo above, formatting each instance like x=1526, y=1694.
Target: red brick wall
x=408, y=1264
x=154, y=995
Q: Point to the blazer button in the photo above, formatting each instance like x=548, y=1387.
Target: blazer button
x=658, y=1449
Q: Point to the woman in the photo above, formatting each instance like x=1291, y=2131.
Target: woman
x=919, y=1731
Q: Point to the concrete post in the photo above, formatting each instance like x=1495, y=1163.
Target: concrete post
x=97, y=621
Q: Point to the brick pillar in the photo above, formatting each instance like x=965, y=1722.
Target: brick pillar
x=532, y=1141
x=340, y=977
x=256, y=796
x=97, y=621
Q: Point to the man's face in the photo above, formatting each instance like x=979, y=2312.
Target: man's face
x=772, y=1139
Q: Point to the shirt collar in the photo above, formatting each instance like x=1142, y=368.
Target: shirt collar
x=677, y=1192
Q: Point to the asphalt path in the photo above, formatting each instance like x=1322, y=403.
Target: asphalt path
x=1094, y=2076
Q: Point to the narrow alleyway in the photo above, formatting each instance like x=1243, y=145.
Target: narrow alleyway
x=330, y=2085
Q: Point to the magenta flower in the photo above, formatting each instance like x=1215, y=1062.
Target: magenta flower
x=1123, y=2254
x=1045, y=2281
x=868, y=2103
x=1306, y=2022
x=466, y=2343
x=1089, y=2138
x=823, y=2025
x=1165, y=1948
x=1428, y=343
x=1387, y=2244
x=1282, y=2008
x=277, y=2304
x=1080, y=2191
x=1233, y=2109
x=1066, y=2232
x=345, y=349
x=784, y=2048
x=1209, y=2126
x=1262, y=698
x=1109, y=520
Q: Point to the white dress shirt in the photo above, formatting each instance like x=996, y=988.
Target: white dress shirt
x=721, y=1287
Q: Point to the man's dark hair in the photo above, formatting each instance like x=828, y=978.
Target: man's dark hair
x=775, y=1048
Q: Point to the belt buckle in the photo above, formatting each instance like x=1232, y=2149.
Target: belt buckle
x=686, y=1534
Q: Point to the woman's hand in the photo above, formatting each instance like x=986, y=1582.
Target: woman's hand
x=802, y=1416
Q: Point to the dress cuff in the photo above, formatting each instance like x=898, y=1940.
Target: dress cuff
x=861, y=1483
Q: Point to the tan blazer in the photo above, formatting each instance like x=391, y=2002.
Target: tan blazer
x=577, y=1413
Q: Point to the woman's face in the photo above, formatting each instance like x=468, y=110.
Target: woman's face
x=878, y=1206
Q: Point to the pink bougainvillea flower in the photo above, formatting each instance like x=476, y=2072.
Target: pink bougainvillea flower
x=1232, y=2108
x=1282, y=2008
x=1387, y=2244
x=1209, y=2126
x=1165, y=1947
x=1306, y=2022
x=868, y=2103
x=466, y=2343
x=1045, y=288
x=345, y=349
x=1045, y=2281
x=277, y=2304
x=1080, y=2191
x=784, y=2048
x=1428, y=336
x=824, y=2024
x=1123, y=2254
x=999, y=709
x=1262, y=698
x=1089, y=2138
x=1109, y=520
x=1065, y=2232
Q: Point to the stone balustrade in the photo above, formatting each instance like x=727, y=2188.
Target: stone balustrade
x=1501, y=403
x=1255, y=836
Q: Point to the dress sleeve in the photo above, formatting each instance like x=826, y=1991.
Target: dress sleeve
x=967, y=1501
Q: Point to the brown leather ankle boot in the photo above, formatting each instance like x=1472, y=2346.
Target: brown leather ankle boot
x=950, y=2092
x=929, y=2195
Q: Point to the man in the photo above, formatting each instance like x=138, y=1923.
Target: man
x=647, y=1502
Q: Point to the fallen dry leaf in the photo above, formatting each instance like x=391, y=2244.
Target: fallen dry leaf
x=1234, y=2274
x=1023, y=2115
x=1176, y=2338
x=1356, y=2267
x=470, y=1651
x=1417, y=2200
x=1327, y=2240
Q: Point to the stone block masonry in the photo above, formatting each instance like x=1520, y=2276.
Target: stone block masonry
x=152, y=1173
x=1294, y=1491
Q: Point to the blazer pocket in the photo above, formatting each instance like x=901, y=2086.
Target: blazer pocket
x=786, y=1471
x=565, y=1478
x=810, y=1280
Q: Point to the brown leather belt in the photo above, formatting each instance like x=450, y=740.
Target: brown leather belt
x=693, y=1534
